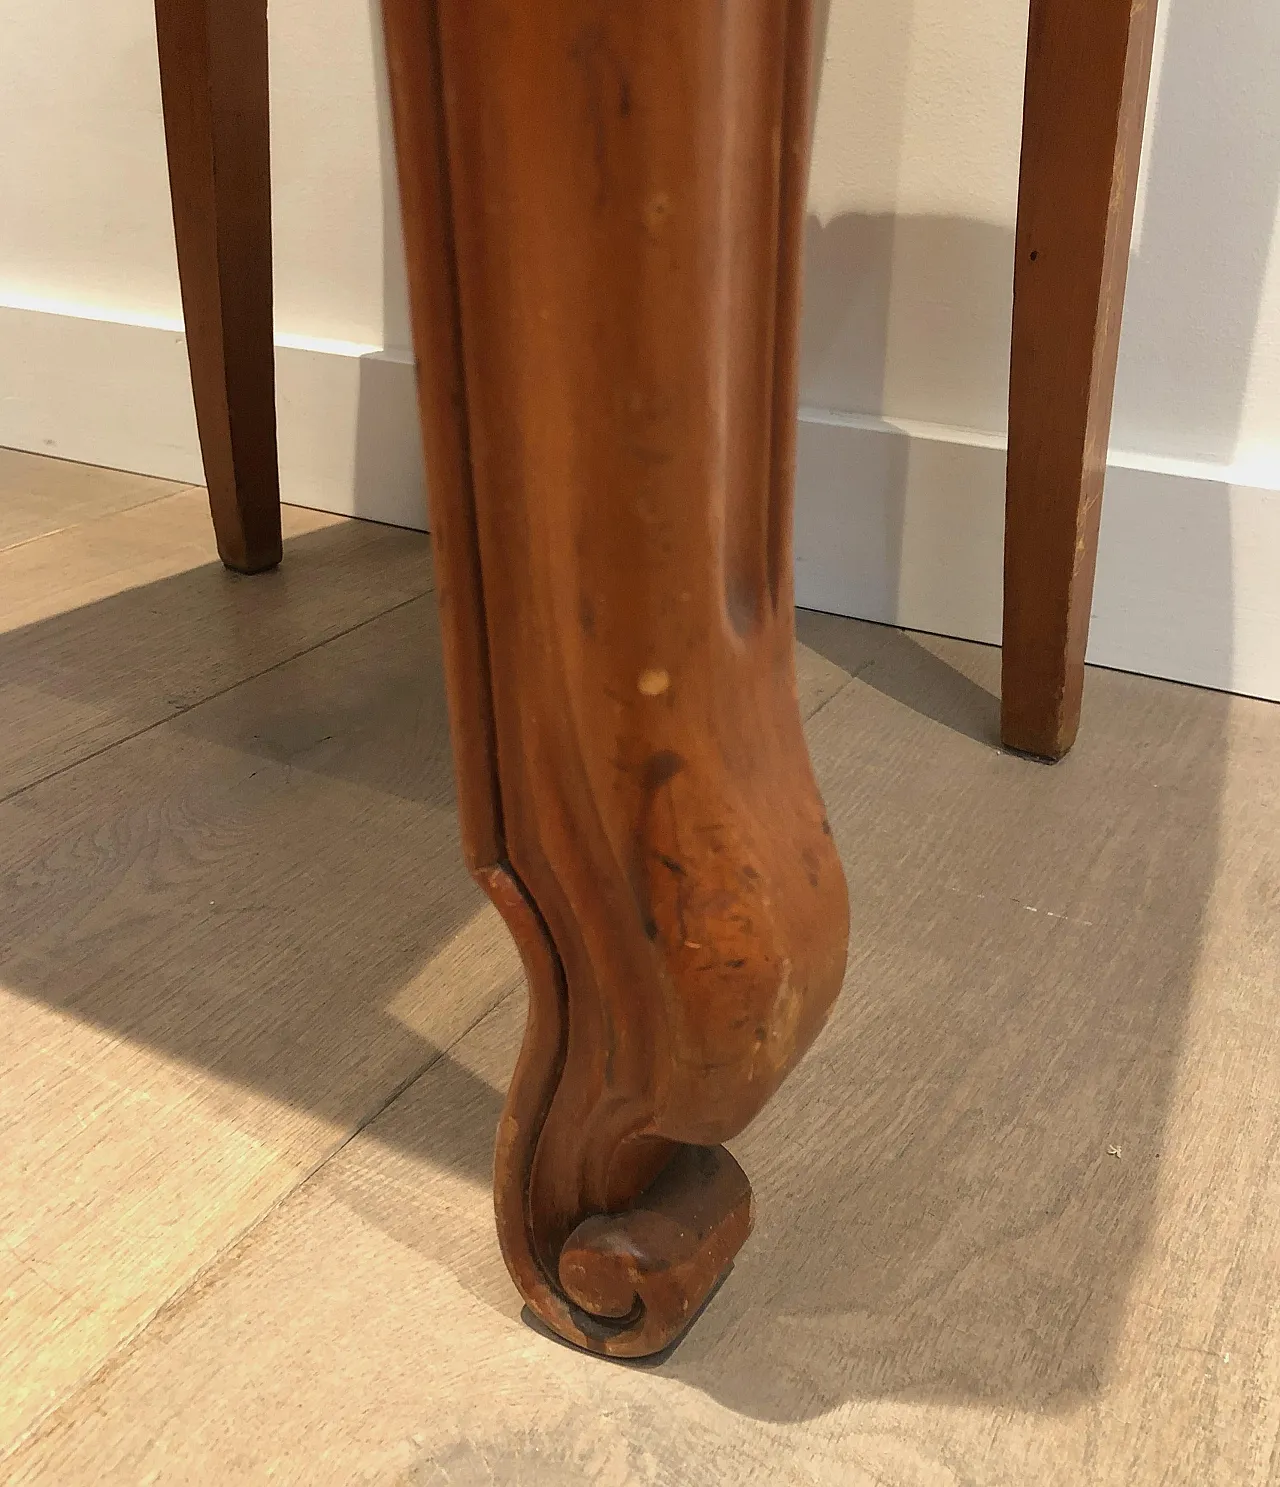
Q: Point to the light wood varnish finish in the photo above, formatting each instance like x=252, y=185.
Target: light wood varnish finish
x=213, y=79
x=1088, y=67
x=605, y=314
x=1087, y=73
x=617, y=590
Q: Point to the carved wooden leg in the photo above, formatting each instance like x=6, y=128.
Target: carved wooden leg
x=213, y=74
x=603, y=208
x=1088, y=66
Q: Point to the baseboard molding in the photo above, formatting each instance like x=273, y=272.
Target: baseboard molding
x=895, y=522
x=114, y=391
x=904, y=523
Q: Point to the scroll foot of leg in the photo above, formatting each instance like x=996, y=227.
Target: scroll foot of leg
x=641, y=1276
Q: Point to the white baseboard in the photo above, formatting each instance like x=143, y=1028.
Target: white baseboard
x=895, y=522
x=904, y=523
x=117, y=392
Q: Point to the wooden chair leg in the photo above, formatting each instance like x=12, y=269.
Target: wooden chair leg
x=604, y=251
x=213, y=74
x=1088, y=66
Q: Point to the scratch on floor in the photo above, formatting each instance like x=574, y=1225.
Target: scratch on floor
x=1030, y=908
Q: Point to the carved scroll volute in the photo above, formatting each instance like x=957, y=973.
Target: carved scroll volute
x=603, y=206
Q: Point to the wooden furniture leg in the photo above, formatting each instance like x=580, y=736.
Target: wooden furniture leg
x=603, y=208
x=1088, y=66
x=213, y=74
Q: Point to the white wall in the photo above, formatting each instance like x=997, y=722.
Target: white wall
x=915, y=180
x=906, y=328
x=82, y=166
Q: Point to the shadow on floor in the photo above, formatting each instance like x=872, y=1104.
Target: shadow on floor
x=252, y=888
x=249, y=883
x=940, y=1217
x=902, y=667
x=941, y=1213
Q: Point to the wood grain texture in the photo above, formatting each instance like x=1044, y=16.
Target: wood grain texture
x=227, y=942
x=230, y=938
x=109, y=627
x=605, y=309
x=952, y=1280
x=40, y=496
x=213, y=77
x=1088, y=67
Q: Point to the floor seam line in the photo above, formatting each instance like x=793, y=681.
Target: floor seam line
x=89, y=521
x=827, y=701
x=120, y=1353
x=407, y=1084
x=212, y=697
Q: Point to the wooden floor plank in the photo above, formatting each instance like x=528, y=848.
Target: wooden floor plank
x=40, y=496
x=110, y=627
x=233, y=927
x=1015, y=1209
x=226, y=943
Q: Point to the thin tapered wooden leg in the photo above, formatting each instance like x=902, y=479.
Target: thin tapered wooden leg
x=1088, y=67
x=603, y=207
x=213, y=74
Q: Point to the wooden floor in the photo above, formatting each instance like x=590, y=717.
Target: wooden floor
x=1019, y=1211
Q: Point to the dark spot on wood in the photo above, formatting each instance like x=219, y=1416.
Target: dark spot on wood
x=671, y=865
x=624, y=97
x=809, y=858
x=610, y=1044
x=658, y=770
x=1034, y=254
x=762, y=1033
x=826, y=827
x=749, y=874
x=661, y=767
x=587, y=616
x=704, y=1160
x=591, y=52
x=735, y=965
